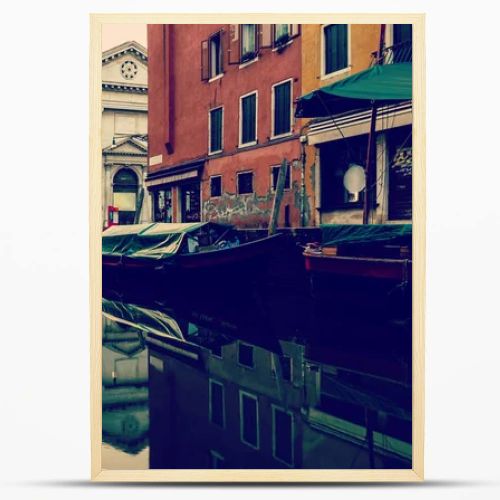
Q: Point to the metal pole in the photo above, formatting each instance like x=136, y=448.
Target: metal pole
x=367, y=204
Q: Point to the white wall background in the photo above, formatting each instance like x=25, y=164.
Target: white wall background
x=44, y=445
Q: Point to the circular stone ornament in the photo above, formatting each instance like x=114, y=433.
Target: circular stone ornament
x=354, y=178
x=129, y=70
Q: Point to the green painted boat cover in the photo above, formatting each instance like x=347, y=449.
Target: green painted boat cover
x=342, y=234
x=384, y=84
x=151, y=240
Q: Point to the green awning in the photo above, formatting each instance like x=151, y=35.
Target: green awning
x=384, y=84
x=343, y=234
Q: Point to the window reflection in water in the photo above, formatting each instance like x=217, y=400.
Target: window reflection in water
x=223, y=394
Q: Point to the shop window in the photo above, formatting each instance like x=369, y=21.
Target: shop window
x=245, y=355
x=282, y=108
x=162, y=205
x=245, y=182
x=336, y=157
x=400, y=173
x=283, y=435
x=335, y=48
x=215, y=186
x=248, y=119
x=215, y=130
x=274, y=177
x=249, y=419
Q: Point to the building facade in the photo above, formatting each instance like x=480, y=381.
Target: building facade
x=221, y=122
x=332, y=53
x=124, y=134
x=222, y=119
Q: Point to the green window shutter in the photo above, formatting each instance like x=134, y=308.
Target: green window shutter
x=248, y=119
x=335, y=47
x=282, y=94
x=216, y=130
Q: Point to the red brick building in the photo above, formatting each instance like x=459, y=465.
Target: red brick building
x=221, y=119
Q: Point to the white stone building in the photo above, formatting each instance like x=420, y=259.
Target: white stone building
x=124, y=133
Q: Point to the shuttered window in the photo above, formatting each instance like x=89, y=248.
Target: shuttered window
x=248, y=111
x=282, y=108
x=216, y=130
x=215, y=55
x=335, y=47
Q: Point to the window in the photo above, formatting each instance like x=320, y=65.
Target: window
x=211, y=57
x=215, y=186
x=336, y=157
x=283, y=435
x=274, y=177
x=248, y=48
x=282, y=108
x=249, y=419
x=215, y=55
x=281, y=34
x=216, y=403
x=215, y=130
x=245, y=183
x=245, y=355
x=248, y=122
x=216, y=460
x=285, y=364
x=400, y=173
x=401, y=33
x=216, y=351
x=125, y=187
x=335, y=48
x=162, y=205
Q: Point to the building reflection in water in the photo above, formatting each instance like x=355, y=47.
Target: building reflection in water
x=227, y=395
x=125, y=393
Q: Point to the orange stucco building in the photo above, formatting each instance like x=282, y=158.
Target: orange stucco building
x=221, y=120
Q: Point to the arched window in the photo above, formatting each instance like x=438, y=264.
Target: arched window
x=125, y=186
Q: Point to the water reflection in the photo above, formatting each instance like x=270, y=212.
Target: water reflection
x=257, y=384
x=125, y=393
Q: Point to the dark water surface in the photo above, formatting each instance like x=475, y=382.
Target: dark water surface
x=253, y=379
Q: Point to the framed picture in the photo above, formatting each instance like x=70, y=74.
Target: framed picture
x=257, y=234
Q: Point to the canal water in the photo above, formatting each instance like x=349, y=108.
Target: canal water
x=273, y=379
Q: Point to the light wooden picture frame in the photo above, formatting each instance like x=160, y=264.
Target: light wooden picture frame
x=416, y=473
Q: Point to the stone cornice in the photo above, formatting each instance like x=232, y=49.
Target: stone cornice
x=123, y=153
x=120, y=87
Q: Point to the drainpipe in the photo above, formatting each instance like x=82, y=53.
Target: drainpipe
x=303, y=142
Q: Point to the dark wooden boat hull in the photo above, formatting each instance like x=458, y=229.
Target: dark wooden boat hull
x=398, y=270
x=229, y=268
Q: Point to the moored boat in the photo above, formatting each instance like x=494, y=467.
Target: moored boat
x=204, y=252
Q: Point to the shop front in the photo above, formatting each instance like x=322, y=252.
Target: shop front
x=176, y=193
